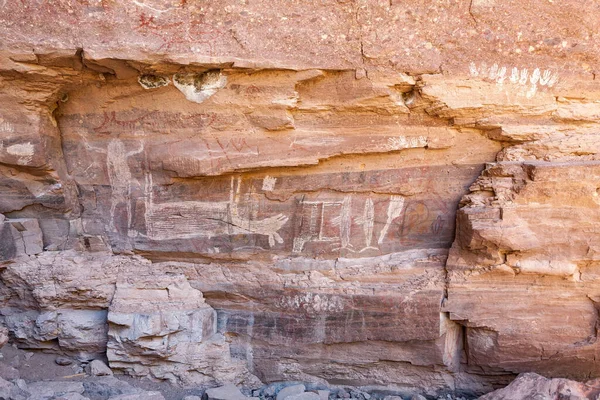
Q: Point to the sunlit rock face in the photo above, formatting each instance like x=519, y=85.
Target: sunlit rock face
x=387, y=195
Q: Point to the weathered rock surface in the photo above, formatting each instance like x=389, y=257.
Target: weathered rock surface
x=304, y=396
x=290, y=391
x=50, y=389
x=161, y=326
x=373, y=193
x=527, y=244
x=534, y=386
x=98, y=368
x=139, y=396
x=225, y=392
x=3, y=335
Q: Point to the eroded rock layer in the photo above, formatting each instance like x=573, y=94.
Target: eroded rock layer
x=405, y=197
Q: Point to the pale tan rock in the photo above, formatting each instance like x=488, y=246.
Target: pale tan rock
x=225, y=392
x=98, y=368
x=535, y=386
x=290, y=391
x=3, y=335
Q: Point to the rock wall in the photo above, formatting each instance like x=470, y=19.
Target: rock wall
x=375, y=193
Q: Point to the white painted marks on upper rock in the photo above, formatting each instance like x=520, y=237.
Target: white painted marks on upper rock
x=199, y=87
x=268, y=183
x=524, y=79
x=395, y=208
x=24, y=151
x=403, y=142
x=6, y=126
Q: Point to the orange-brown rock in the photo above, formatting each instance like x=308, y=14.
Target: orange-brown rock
x=396, y=195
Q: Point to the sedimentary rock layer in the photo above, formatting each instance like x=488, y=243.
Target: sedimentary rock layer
x=369, y=193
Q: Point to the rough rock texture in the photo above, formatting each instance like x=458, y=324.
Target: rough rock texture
x=373, y=193
x=226, y=392
x=163, y=327
x=534, y=386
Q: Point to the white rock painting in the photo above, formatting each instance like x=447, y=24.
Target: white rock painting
x=193, y=219
x=527, y=81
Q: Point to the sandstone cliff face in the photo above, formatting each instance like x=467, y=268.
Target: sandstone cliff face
x=351, y=192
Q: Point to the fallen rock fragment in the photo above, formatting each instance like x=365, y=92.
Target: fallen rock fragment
x=225, y=392
x=290, y=391
x=8, y=372
x=63, y=361
x=199, y=87
x=5, y=388
x=98, y=368
x=3, y=335
x=323, y=394
x=304, y=396
x=107, y=386
x=72, y=396
x=49, y=389
x=534, y=386
x=139, y=396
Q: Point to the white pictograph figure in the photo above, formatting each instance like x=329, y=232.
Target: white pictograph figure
x=23, y=151
x=514, y=76
x=269, y=183
x=119, y=176
x=325, y=221
x=267, y=226
x=394, y=211
x=197, y=219
x=368, y=222
x=525, y=82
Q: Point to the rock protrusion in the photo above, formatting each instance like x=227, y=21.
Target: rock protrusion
x=160, y=325
x=98, y=368
x=288, y=391
x=199, y=87
x=534, y=386
x=3, y=335
x=225, y=392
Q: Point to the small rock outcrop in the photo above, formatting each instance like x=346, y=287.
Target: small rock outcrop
x=534, y=386
x=288, y=391
x=226, y=392
x=162, y=327
x=98, y=368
